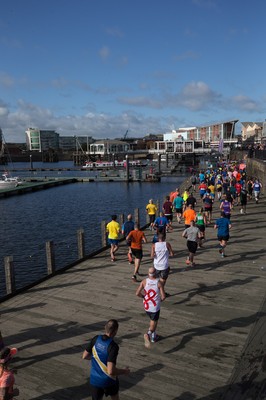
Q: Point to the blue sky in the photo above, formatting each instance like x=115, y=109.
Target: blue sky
x=102, y=67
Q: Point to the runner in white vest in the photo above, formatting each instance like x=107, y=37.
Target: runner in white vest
x=151, y=290
x=160, y=253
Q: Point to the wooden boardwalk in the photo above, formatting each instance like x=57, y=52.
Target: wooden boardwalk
x=205, y=325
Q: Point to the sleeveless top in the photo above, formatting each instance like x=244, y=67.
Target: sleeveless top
x=161, y=256
x=152, y=299
x=99, y=376
x=256, y=187
x=200, y=220
x=226, y=207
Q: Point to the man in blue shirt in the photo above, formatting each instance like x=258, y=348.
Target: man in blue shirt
x=127, y=227
x=103, y=351
x=223, y=225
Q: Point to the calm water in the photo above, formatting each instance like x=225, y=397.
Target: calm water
x=28, y=221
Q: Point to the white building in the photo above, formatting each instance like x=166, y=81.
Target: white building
x=107, y=146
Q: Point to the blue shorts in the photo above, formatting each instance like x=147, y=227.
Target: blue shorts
x=113, y=241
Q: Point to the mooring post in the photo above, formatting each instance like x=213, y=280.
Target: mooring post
x=136, y=215
x=81, y=243
x=50, y=258
x=10, y=275
x=121, y=220
x=104, y=235
x=158, y=208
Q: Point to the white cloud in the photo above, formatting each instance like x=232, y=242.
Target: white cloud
x=6, y=80
x=116, y=32
x=104, y=53
x=186, y=55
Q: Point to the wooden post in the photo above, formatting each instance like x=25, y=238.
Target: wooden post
x=50, y=258
x=104, y=236
x=121, y=220
x=136, y=215
x=10, y=275
x=81, y=244
x=158, y=208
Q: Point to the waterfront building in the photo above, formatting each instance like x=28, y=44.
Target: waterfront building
x=253, y=131
x=217, y=136
x=72, y=143
x=41, y=140
x=107, y=146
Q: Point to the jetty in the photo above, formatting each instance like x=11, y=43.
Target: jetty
x=212, y=327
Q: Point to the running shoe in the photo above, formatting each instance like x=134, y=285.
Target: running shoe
x=187, y=261
x=134, y=278
x=154, y=338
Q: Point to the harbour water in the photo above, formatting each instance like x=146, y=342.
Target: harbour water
x=30, y=220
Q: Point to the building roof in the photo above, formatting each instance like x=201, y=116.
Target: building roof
x=245, y=124
x=110, y=141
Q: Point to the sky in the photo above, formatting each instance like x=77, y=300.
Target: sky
x=102, y=68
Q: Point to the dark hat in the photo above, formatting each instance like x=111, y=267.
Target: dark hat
x=7, y=353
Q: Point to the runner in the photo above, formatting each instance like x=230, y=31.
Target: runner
x=151, y=290
x=127, y=227
x=189, y=215
x=151, y=211
x=192, y=234
x=178, y=205
x=7, y=378
x=256, y=189
x=201, y=223
x=136, y=237
x=223, y=225
x=113, y=229
x=168, y=211
x=160, y=252
x=102, y=350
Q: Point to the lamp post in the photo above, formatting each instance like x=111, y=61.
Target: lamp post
x=31, y=166
x=127, y=168
x=114, y=160
x=159, y=163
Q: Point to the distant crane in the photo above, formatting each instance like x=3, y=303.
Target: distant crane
x=125, y=135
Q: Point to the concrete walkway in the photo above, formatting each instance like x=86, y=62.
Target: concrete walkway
x=212, y=327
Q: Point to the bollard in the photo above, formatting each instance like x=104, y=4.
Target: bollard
x=136, y=215
x=50, y=258
x=10, y=275
x=104, y=235
x=81, y=243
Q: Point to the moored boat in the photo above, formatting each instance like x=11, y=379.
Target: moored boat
x=111, y=164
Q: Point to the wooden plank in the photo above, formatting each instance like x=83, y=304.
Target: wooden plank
x=204, y=324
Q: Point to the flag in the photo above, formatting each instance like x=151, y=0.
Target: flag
x=221, y=146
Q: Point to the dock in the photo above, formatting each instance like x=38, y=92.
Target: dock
x=212, y=327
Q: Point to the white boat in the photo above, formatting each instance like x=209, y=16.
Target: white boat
x=7, y=181
x=111, y=164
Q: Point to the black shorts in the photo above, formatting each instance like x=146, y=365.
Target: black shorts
x=162, y=273
x=97, y=392
x=226, y=238
x=208, y=209
x=201, y=227
x=179, y=210
x=192, y=246
x=137, y=253
x=152, y=218
x=154, y=316
x=169, y=217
